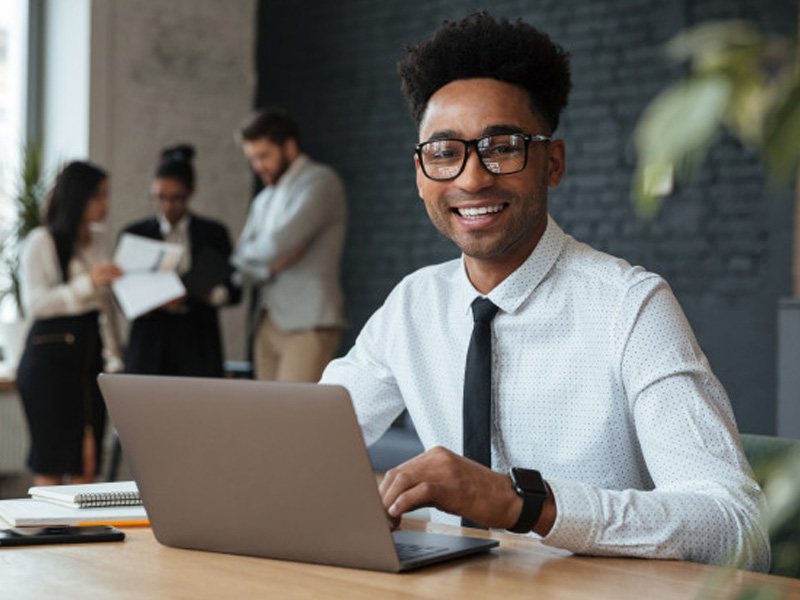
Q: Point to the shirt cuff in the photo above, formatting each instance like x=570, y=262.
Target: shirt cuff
x=250, y=275
x=578, y=514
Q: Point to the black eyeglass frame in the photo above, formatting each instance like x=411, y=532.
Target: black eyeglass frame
x=176, y=199
x=527, y=138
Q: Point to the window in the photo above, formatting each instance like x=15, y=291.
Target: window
x=13, y=83
x=13, y=86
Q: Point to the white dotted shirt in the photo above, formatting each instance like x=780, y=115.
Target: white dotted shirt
x=597, y=382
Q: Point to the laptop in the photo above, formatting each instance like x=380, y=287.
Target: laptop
x=275, y=470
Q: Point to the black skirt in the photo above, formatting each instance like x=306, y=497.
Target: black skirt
x=57, y=382
x=187, y=344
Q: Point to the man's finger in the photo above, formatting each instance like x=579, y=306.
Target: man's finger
x=418, y=496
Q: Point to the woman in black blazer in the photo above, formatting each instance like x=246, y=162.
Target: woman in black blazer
x=183, y=337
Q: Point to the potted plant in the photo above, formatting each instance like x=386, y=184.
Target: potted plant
x=28, y=197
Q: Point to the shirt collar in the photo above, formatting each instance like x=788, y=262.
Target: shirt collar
x=517, y=287
x=164, y=226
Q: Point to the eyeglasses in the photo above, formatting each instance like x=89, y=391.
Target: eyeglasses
x=170, y=199
x=500, y=154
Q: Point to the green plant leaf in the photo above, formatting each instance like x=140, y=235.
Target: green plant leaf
x=676, y=131
x=750, y=102
x=709, y=46
x=783, y=491
x=782, y=133
x=28, y=195
x=684, y=118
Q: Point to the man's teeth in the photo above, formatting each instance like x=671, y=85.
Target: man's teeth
x=479, y=211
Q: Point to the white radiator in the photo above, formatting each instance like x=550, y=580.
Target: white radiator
x=13, y=433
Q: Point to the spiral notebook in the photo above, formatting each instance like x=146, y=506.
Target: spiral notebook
x=89, y=495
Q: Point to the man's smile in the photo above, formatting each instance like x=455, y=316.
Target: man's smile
x=476, y=212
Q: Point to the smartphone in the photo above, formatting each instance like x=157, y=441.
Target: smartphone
x=26, y=536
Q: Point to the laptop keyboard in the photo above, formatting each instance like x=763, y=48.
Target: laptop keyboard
x=406, y=552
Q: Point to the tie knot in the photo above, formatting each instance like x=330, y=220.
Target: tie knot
x=483, y=310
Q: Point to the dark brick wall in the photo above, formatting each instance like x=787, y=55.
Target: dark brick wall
x=723, y=242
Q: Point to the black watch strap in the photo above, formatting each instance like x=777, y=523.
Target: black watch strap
x=530, y=486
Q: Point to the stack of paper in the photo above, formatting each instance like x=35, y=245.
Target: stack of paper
x=60, y=505
x=150, y=279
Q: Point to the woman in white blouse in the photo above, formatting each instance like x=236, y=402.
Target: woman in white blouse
x=65, y=272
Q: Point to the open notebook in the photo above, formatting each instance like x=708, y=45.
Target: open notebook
x=277, y=470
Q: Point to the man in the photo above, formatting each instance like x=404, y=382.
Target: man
x=291, y=247
x=620, y=438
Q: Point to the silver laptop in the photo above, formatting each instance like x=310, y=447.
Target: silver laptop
x=276, y=470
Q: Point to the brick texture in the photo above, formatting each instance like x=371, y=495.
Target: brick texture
x=722, y=241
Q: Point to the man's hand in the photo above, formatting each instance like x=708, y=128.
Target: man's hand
x=442, y=479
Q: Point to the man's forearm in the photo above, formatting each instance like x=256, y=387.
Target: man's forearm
x=249, y=271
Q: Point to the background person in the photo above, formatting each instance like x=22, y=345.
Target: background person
x=183, y=337
x=65, y=272
x=605, y=430
x=290, y=250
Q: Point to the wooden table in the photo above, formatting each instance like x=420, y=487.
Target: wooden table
x=520, y=568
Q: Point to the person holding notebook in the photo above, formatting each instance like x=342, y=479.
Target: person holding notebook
x=65, y=272
x=183, y=337
x=558, y=390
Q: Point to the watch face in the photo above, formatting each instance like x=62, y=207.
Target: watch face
x=528, y=481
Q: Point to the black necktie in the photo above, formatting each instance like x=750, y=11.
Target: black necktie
x=478, y=388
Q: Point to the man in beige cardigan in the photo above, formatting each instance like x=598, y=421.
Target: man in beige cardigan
x=290, y=251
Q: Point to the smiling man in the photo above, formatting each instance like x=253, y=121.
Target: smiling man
x=557, y=390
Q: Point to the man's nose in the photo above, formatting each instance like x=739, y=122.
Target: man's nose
x=475, y=176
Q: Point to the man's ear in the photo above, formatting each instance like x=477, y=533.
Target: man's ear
x=556, y=162
x=420, y=176
x=291, y=148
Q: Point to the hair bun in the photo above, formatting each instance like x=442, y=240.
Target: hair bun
x=181, y=152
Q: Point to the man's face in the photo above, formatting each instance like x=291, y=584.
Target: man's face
x=269, y=160
x=512, y=211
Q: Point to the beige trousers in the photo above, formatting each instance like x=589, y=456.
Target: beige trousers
x=295, y=355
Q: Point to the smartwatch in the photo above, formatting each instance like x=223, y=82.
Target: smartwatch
x=530, y=486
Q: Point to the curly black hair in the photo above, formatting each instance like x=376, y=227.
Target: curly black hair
x=480, y=46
